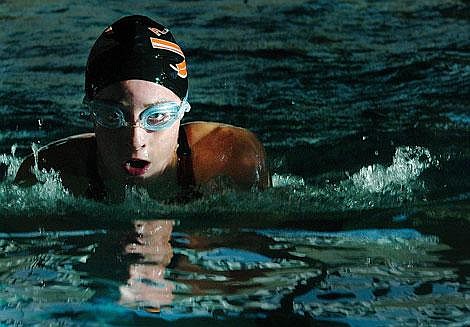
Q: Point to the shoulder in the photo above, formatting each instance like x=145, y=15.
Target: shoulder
x=222, y=150
x=70, y=156
x=202, y=131
x=67, y=148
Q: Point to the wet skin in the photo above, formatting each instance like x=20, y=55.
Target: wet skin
x=117, y=147
x=133, y=156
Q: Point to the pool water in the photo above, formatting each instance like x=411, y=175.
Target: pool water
x=363, y=109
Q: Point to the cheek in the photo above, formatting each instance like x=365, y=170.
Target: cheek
x=164, y=142
x=109, y=142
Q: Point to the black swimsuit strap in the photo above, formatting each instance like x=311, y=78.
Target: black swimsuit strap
x=184, y=172
x=96, y=189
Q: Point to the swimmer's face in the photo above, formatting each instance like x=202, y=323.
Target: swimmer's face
x=133, y=155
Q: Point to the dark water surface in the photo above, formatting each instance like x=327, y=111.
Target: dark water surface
x=363, y=107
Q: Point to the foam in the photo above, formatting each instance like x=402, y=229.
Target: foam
x=374, y=186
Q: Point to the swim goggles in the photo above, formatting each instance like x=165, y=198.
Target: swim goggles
x=154, y=118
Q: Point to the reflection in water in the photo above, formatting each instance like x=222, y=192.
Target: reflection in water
x=218, y=270
x=159, y=270
x=147, y=285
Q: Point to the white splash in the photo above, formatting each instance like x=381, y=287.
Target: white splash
x=287, y=180
x=408, y=163
x=11, y=162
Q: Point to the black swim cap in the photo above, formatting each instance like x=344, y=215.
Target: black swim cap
x=136, y=47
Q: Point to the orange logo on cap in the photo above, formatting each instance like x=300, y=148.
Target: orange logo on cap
x=181, y=69
x=157, y=31
x=166, y=45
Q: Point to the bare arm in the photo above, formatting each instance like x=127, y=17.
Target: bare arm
x=68, y=156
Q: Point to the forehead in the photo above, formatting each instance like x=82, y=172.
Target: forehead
x=136, y=93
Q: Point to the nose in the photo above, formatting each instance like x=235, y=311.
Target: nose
x=137, y=138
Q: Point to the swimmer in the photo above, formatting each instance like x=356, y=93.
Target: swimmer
x=136, y=92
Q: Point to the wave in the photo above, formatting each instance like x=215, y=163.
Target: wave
x=374, y=186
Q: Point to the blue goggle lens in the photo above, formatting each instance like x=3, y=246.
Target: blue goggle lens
x=160, y=116
x=107, y=116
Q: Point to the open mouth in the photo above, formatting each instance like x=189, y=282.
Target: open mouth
x=136, y=167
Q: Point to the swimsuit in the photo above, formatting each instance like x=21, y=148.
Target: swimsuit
x=184, y=172
x=184, y=169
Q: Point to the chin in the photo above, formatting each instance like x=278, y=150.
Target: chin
x=143, y=179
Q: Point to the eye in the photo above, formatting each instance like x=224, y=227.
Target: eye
x=111, y=117
x=158, y=119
